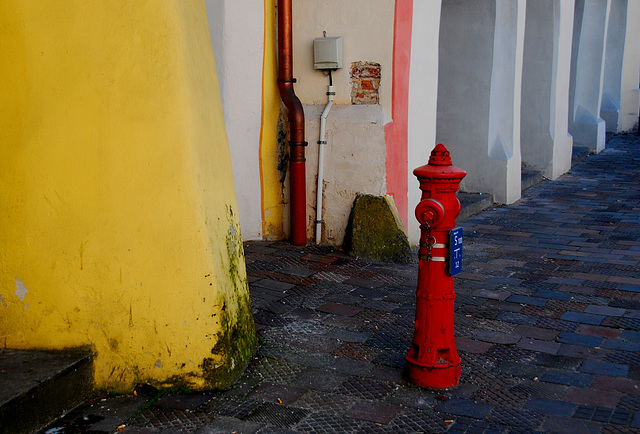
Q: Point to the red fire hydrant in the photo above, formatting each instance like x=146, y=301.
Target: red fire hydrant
x=433, y=360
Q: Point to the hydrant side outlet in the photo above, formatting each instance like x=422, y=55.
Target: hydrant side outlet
x=433, y=360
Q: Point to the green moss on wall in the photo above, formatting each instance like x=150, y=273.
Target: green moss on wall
x=374, y=231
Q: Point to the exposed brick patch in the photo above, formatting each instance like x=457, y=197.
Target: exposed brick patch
x=365, y=82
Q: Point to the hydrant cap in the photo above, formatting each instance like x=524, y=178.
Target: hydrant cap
x=440, y=156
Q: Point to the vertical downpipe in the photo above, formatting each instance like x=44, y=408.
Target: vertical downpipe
x=297, y=177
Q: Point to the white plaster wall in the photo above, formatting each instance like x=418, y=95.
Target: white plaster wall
x=237, y=35
x=506, y=84
x=423, y=97
x=563, y=141
x=630, y=99
x=587, y=73
x=355, y=156
x=366, y=27
x=480, y=67
x=545, y=141
x=614, y=52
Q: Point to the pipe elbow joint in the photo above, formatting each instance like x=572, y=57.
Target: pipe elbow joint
x=430, y=212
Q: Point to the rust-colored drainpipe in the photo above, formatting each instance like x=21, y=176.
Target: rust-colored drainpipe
x=297, y=177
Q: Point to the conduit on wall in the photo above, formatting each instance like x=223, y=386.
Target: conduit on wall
x=321, y=144
x=297, y=180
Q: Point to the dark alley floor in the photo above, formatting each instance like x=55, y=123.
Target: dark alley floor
x=547, y=325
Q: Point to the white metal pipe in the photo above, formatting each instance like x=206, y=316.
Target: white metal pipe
x=321, y=144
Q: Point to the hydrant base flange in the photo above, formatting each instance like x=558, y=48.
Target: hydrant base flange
x=438, y=377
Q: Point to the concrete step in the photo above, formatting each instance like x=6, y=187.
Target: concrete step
x=578, y=154
x=529, y=178
x=37, y=387
x=473, y=203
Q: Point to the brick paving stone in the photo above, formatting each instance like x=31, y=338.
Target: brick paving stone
x=419, y=421
x=579, y=339
x=273, y=284
x=229, y=424
x=630, y=287
x=524, y=299
x=339, y=309
x=602, y=398
x=568, y=378
x=553, y=295
x=492, y=294
x=550, y=406
x=278, y=393
x=579, y=352
x=464, y=407
x=414, y=398
x=558, y=361
x=279, y=415
x=364, y=388
x=319, y=379
x=622, y=385
x=614, y=344
x=583, y=318
x=539, y=346
x=348, y=366
x=520, y=419
x=356, y=351
x=363, y=282
x=630, y=335
x=517, y=318
x=605, y=310
x=183, y=402
x=635, y=313
x=376, y=412
x=521, y=370
x=604, y=332
x=561, y=424
x=496, y=337
x=624, y=323
x=556, y=324
x=597, y=367
x=536, y=332
x=472, y=346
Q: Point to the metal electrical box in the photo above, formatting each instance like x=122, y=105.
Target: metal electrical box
x=327, y=53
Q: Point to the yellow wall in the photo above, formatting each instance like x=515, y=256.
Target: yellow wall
x=117, y=208
x=270, y=161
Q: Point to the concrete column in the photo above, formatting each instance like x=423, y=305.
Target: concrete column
x=587, y=73
x=237, y=33
x=479, y=92
x=423, y=95
x=546, y=143
x=630, y=69
x=612, y=84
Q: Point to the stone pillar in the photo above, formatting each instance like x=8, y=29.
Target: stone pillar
x=480, y=69
x=612, y=83
x=545, y=140
x=628, y=116
x=587, y=73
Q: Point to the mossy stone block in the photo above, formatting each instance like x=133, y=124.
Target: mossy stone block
x=375, y=231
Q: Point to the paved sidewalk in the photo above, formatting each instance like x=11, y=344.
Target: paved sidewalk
x=547, y=323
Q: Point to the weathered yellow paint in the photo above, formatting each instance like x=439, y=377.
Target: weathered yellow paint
x=272, y=191
x=118, y=229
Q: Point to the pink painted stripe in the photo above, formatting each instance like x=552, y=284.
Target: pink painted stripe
x=397, y=131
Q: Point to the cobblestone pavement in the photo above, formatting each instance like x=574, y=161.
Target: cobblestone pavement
x=547, y=325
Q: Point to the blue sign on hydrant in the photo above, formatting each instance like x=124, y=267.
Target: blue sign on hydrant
x=455, y=251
